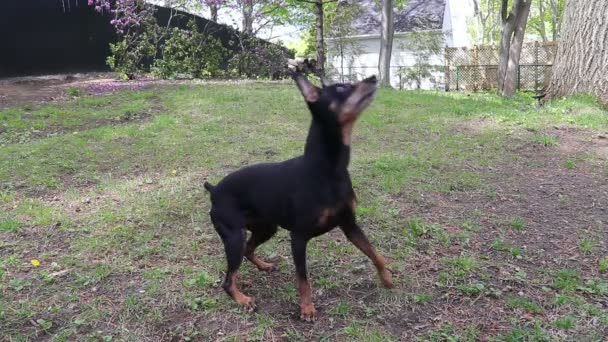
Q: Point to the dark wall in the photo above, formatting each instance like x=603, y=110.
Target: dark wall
x=38, y=36
x=43, y=37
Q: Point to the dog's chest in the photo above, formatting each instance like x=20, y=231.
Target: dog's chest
x=329, y=215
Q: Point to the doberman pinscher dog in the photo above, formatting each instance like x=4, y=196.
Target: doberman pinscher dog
x=308, y=195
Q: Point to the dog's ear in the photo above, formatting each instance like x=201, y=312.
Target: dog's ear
x=308, y=90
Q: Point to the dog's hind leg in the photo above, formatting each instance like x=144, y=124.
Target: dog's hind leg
x=260, y=233
x=230, y=225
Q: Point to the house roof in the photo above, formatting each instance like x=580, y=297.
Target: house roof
x=418, y=15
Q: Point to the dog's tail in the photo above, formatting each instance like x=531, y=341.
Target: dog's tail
x=209, y=187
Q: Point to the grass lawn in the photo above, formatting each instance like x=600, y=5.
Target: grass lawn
x=492, y=213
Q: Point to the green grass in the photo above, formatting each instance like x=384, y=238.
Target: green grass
x=524, y=304
x=518, y=223
x=107, y=193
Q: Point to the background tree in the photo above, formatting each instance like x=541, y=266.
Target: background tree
x=511, y=42
x=313, y=14
x=545, y=18
x=341, y=30
x=387, y=31
x=581, y=63
x=486, y=27
x=423, y=46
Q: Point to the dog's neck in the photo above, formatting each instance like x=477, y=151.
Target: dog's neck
x=325, y=149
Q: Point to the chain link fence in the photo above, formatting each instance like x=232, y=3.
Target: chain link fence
x=476, y=68
x=402, y=76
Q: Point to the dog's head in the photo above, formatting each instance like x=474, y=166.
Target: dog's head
x=337, y=105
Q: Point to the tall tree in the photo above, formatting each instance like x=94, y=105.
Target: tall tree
x=487, y=15
x=247, y=13
x=511, y=41
x=343, y=46
x=581, y=63
x=387, y=31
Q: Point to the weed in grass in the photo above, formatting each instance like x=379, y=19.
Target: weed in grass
x=603, y=265
x=545, y=140
x=462, y=266
x=524, y=304
x=520, y=334
x=499, y=245
x=518, y=223
x=566, y=280
x=9, y=225
x=473, y=289
x=201, y=279
x=18, y=284
x=515, y=252
x=565, y=323
x=586, y=245
x=341, y=310
x=73, y=92
x=521, y=276
x=422, y=298
x=595, y=287
x=570, y=164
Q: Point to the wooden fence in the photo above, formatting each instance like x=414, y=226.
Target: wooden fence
x=476, y=68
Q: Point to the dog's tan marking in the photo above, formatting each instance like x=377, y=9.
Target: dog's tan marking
x=307, y=308
x=259, y=263
x=237, y=295
x=353, y=204
x=364, y=246
x=326, y=215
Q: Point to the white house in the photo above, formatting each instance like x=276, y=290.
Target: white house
x=357, y=55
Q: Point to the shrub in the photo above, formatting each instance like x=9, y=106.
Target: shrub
x=189, y=53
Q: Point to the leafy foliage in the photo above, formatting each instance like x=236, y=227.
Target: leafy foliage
x=422, y=46
x=257, y=59
x=138, y=44
x=189, y=53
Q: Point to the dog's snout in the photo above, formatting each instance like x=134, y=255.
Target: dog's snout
x=372, y=79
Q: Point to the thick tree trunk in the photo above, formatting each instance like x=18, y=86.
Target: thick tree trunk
x=511, y=42
x=581, y=62
x=247, y=16
x=319, y=38
x=386, y=43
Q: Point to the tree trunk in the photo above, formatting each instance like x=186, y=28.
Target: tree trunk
x=511, y=42
x=581, y=62
x=554, y=18
x=541, y=13
x=386, y=43
x=214, y=9
x=247, y=16
x=319, y=38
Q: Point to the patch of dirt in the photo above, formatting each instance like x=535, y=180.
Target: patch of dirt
x=19, y=91
x=559, y=207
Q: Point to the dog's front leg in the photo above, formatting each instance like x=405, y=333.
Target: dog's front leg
x=358, y=238
x=298, y=249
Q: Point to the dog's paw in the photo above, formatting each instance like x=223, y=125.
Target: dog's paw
x=268, y=267
x=248, y=303
x=387, y=278
x=308, y=313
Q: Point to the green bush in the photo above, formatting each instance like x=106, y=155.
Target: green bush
x=128, y=56
x=258, y=59
x=189, y=53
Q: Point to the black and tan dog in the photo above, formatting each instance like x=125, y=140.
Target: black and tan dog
x=308, y=195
